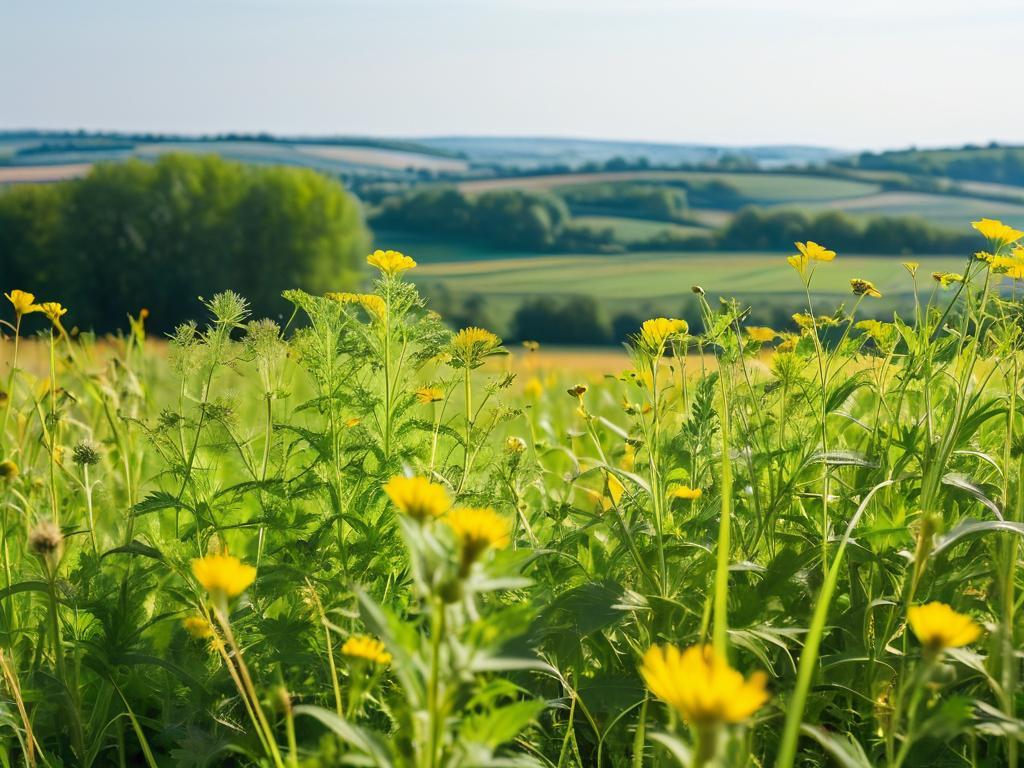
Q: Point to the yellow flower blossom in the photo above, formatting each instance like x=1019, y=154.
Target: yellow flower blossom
x=426, y=395
x=911, y=267
x=997, y=233
x=531, y=346
x=864, y=288
x=808, y=252
x=685, y=492
x=477, y=529
x=615, y=489
x=533, y=388
x=938, y=626
x=701, y=686
x=417, y=497
x=23, y=302
x=656, y=331
x=8, y=470
x=762, y=334
x=946, y=279
x=390, y=263
x=367, y=648
x=471, y=345
x=374, y=305
x=223, y=574
x=198, y=627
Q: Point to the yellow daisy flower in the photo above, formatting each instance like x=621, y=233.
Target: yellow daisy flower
x=938, y=626
x=656, y=331
x=997, y=233
x=762, y=334
x=417, y=497
x=701, y=686
x=223, y=574
x=685, y=492
x=390, y=263
x=23, y=302
x=864, y=288
x=477, y=529
x=426, y=395
x=368, y=648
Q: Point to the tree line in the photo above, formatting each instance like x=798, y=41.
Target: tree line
x=161, y=234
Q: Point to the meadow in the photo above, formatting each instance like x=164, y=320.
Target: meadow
x=362, y=538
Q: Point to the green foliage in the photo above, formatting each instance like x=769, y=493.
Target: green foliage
x=161, y=234
x=851, y=473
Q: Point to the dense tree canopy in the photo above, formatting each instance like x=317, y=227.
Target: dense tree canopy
x=161, y=234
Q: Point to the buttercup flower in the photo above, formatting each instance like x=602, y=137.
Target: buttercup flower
x=417, y=497
x=946, y=279
x=23, y=302
x=223, y=575
x=390, y=263
x=374, y=305
x=808, y=252
x=701, y=686
x=368, y=648
x=911, y=267
x=864, y=288
x=477, y=529
x=655, y=332
x=997, y=233
x=54, y=311
x=938, y=626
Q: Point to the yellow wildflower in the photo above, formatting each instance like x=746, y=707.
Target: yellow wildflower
x=997, y=233
x=54, y=311
x=911, y=267
x=615, y=489
x=23, y=302
x=198, y=627
x=8, y=470
x=946, y=279
x=808, y=252
x=374, y=305
x=685, y=492
x=938, y=626
x=762, y=334
x=390, y=263
x=223, y=574
x=656, y=331
x=426, y=395
x=533, y=388
x=471, y=345
x=984, y=256
x=353, y=422
x=368, y=648
x=701, y=686
x=531, y=346
x=477, y=529
x=417, y=497
x=864, y=288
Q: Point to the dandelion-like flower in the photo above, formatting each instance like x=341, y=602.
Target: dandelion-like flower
x=762, y=334
x=367, y=648
x=911, y=267
x=656, y=331
x=23, y=302
x=47, y=541
x=701, y=686
x=417, y=497
x=997, y=233
x=198, y=627
x=223, y=575
x=471, y=345
x=426, y=395
x=864, y=288
x=685, y=492
x=938, y=626
x=533, y=388
x=946, y=279
x=390, y=263
x=478, y=529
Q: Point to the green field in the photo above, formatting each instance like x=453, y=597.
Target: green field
x=629, y=230
x=758, y=187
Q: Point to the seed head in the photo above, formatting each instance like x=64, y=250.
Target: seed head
x=86, y=454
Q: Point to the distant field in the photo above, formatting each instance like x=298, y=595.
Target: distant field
x=949, y=211
x=383, y=158
x=629, y=230
x=42, y=173
x=658, y=275
x=760, y=187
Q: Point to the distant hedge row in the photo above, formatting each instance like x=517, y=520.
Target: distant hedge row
x=161, y=234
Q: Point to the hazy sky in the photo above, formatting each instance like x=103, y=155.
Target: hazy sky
x=857, y=73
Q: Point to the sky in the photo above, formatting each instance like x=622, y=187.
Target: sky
x=851, y=75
